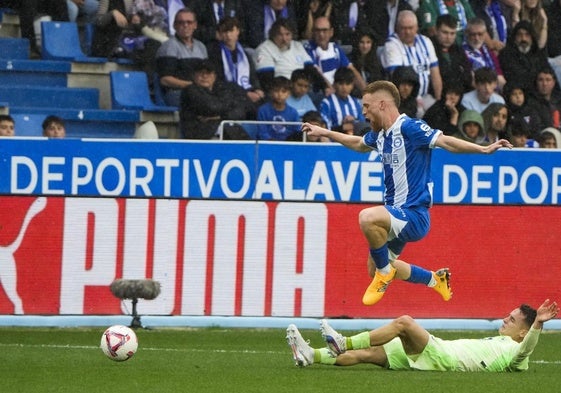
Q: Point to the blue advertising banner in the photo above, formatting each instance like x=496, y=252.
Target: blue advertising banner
x=262, y=171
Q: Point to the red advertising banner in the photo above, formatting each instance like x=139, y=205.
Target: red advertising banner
x=58, y=256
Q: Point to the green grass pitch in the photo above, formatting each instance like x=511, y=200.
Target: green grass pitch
x=232, y=360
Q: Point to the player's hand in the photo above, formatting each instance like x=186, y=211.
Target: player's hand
x=497, y=145
x=548, y=310
x=313, y=130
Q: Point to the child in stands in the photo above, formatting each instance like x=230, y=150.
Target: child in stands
x=7, y=125
x=299, y=98
x=53, y=127
x=279, y=111
x=341, y=110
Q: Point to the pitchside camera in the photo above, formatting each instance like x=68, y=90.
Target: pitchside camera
x=134, y=290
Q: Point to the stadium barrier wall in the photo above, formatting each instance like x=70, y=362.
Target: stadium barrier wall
x=261, y=229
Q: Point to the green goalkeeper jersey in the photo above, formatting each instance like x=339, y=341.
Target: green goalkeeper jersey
x=499, y=353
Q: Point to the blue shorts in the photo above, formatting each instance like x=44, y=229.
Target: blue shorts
x=407, y=225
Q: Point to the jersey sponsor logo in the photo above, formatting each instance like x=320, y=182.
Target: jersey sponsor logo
x=397, y=142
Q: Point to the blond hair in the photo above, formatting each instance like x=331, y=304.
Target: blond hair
x=385, y=86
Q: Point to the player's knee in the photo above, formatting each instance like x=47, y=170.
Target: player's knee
x=403, y=323
x=367, y=217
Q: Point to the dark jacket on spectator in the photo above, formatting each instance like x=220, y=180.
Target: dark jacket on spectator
x=454, y=65
x=404, y=74
x=518, y=67
x=378, y=18
x=202, y=110
x=206, y=18
x=526, y=112
x=438, y=116
x=255, y=21
x=553, y=12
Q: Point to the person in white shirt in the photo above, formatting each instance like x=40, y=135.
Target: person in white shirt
x=280, y=55
x=406, y=47
x=485, y=91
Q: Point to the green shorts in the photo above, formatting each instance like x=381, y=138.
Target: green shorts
x=433, y=358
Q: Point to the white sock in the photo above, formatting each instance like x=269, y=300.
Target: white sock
x=432, y=282
x=386, y=269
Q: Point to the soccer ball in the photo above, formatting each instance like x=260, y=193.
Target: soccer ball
x=119, y=343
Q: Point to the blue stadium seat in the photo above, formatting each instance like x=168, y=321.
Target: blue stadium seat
x=14, y=48
x=28, y=124
x=34, y=72
x=130, y=90
x=41, y=96
x=87, y=123
x=61, y=41
x=158, y=90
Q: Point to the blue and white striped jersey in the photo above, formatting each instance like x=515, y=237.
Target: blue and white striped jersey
x=405, y=149
x=421, y=56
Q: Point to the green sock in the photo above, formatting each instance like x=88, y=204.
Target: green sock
x=323, y=356
x=359, y=341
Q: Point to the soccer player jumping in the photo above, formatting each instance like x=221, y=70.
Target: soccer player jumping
x=405, y=146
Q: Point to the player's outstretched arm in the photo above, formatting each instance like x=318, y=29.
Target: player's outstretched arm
x=548, y=310
x=353, y=142
x=456, y=145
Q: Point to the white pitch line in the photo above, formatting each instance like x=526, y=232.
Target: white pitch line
x=247, y=351
x=67, y=346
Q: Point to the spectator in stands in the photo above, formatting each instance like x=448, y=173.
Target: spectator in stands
x=445, y=113
x=129, y=28
x=553, y=46
x=327, y=55
x=430, y=10
x=364, y=58
x=495, y=121
x=522, y=59
x=484, y=94
x=341, y=111
x=279, y=111
x=547, y=98
x=280, y=55
x=348, y=17
x=53, y=127
x=314, y=117
x=495, y=21
x=28, y=10
x=177, y=56
x=550, y=138
x=211, y=12
x=533, y=12
x=261, y=15
x=477, y=51
x=382, y=16
x=471, y=128
x=407, y=82
x=308, y=12
x=455, y=68
x=299, y=98
x=7, y=125
x=521, y=109
x=519, y=134
x=232, y=62
x=111, y=20
x=85, y=8
x=398, y=50
x=208, y=101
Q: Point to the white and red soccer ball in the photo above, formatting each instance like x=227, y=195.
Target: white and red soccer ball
x=119, y=343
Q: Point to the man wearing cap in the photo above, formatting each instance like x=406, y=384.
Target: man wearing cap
x=207, y=101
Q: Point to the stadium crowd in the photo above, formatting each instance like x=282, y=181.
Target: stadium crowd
x=476, y=69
